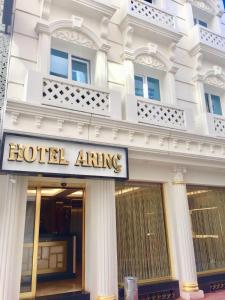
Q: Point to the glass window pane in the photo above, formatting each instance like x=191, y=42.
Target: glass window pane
x=202, y=23
x=195, y=21
x=153, y=89
x=216, y=105
x=141, y=233
x=139, y=86
x=207, y=103
x=28, y=246
x=207, y=210
x=59, y=63
x=80, y=71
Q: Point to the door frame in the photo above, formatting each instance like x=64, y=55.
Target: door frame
x=32, y=293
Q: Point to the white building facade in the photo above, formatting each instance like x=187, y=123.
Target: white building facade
x=143, y=76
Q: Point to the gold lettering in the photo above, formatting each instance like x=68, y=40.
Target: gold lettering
x=53, y=156
x=62, y=160
x=106, y=160
x=116, y=166
x=15, y=152
x=30, y=153
x=42, y=150
x=94, y=160
x=81, y=161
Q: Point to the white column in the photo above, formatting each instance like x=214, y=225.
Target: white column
x=101, y=73
x=170, y=88
x=189, y=15
x=201, y=119
x=185, y=248
x=101, y=245
x=12, y=221
x=44, y=48
x=129, y=76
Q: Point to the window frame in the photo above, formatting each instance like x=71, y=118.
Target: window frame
x=70, y=58
x=145, y=86
x=210, y=106
x=88, y=64
x=197, y=21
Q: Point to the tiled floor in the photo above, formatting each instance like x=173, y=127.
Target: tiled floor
x=214, y=296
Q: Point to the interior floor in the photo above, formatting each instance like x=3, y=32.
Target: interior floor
x=58, y=286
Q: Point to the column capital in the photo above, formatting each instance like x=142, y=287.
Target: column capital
x=178, y=177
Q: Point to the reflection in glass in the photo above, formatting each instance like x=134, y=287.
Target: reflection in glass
x=141, y=234
x=27, y=263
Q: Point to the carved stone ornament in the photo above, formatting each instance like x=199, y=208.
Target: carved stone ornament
x=74, y=37
x=215, y=81
x=150, y=61
x=202, y=5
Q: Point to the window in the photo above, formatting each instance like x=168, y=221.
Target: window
x=213, y=104
x=147, y=87
x=141, y=232
x=207, y=210
x=80, y=70
x=59, y=63
x=62, y=62
x=149, y=1
x=200, y=22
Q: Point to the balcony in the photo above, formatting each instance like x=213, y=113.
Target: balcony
x=145, y=16
x=145, y=111
x=216, y=125
x=207, y=41
x=57, y=92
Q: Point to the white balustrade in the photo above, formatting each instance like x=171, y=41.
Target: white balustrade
x=75, y=97
x=211, y=39
x=219, y=126
x=152, y=13
x=160, y=115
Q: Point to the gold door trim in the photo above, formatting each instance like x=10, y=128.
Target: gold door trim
x=31, y=294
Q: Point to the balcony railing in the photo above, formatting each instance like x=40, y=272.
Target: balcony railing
x=75, y=97
x=152, y=13
x=219, y=126
x=71, y=95
x=160, y=115
x=206, y=37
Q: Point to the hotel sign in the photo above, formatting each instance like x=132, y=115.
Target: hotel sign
x=28, y=154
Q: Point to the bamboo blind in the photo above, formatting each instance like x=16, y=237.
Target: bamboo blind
x=141, y=233
x=207, y=210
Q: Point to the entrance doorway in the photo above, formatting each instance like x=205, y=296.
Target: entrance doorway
x=53, y=242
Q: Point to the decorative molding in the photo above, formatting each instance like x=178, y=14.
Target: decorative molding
x=104, y=28
x=60, y=123
x=46, y=8
x=214, y=77
x=131, y=136
x=211, y=7
x=97, y=131
x=80, y=128
x=128, y=36
x=73, y=30
x=15, y=118
x=38, y=121
x=150, y=61
x=115, y=132
x=178, y=177
x=75, y=37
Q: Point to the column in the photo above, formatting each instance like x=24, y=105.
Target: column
x=101, y=244
x=129, y=76
x=170, y=88
x=44, y=49
x=185, y=248
x=101, y=76
x=201, y=117
x=189, y=15
x=12, y=221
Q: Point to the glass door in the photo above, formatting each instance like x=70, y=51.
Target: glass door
x=30, y=245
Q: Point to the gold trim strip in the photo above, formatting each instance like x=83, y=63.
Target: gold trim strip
x=106, y=297
x=179, y=182
x=190, y=287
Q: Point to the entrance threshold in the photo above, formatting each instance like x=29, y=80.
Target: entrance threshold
x=67, y=296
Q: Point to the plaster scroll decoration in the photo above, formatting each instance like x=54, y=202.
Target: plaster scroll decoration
x=77, y=22
x=104, y=27
x=75, y=37
x=128, y=36
x=151, y=62
x=215, y=81
x=203, y=5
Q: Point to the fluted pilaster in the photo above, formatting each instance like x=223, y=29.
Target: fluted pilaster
x=101, y=245
x=186, y=256
x=13, y=191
